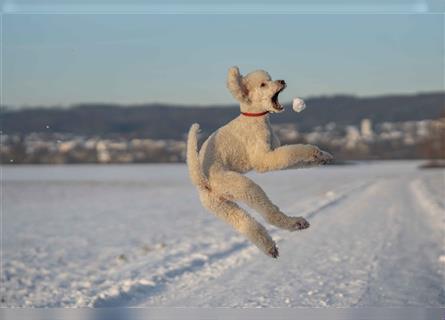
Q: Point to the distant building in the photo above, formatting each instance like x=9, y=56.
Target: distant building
x=103, y=155
x=352, y=137
x=366, y=129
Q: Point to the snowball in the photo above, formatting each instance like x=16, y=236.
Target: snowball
x=298, y=105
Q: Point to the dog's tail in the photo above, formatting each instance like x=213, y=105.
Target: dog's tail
x=195, y=170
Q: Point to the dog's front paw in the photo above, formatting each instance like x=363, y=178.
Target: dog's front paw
x=299, y=223
x=321, y=157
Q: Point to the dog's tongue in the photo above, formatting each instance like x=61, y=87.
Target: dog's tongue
x=298, y=105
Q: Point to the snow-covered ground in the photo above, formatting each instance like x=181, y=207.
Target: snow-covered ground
x=137, y=236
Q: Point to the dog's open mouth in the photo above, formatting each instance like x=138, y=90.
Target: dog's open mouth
x=275, y=104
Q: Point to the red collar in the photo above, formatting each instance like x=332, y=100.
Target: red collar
x=248, y=114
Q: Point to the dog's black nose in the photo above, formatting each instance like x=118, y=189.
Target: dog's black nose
x=282, y=82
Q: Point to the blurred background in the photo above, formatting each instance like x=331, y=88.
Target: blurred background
x=124, y=88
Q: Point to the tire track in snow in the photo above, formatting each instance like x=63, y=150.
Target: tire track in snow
x=316, y=205
x=376, y=256
x=406, y=255
x=200, y=267
x=434, y=212
x=131, y=292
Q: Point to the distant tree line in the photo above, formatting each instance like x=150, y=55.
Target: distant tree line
x=172, y=122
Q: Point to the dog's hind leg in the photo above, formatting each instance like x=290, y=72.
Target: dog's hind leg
x=241, y=221
x=238, y=187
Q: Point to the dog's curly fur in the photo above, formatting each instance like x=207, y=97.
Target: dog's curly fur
x=244, y=144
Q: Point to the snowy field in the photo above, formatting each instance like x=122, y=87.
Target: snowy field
x=137, y=235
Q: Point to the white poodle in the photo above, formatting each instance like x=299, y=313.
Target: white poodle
x=247, y=143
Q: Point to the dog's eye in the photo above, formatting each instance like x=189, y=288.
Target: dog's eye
x=263, y=84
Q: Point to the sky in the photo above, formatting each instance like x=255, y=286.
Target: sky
x=60, y=59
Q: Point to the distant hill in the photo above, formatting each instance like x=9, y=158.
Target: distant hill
x=172, y=121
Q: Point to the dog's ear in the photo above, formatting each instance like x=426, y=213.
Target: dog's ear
x=235, y=85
